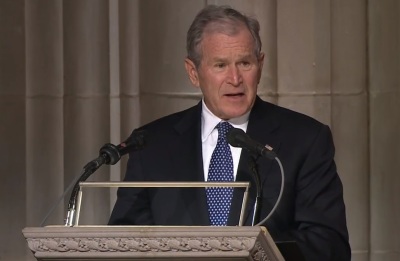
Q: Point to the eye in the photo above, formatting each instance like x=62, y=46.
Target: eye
x=220, y=65
x=245, y=64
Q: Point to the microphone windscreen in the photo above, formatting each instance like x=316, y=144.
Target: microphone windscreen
x=235, y=137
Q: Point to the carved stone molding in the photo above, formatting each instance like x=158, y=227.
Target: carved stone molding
x=175, y=244
x=162, y=243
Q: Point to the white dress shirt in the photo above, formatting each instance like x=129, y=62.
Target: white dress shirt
x=209, y=137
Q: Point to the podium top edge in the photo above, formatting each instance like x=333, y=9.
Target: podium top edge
x=202, y=184
x=87, y=228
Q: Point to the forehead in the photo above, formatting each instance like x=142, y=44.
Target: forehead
x=222, y=43
x=225, y=26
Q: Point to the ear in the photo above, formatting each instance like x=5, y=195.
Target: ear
x=260, y=65
x=192, y=72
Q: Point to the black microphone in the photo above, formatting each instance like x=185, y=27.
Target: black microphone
x=238, y=138
x=113, y=153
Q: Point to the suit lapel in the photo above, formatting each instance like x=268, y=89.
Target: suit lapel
x=189, y=165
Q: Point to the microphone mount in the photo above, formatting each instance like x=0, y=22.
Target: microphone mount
x=88, y=170
x=257, y=205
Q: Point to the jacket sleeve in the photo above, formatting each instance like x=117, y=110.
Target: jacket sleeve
x=320, y=210
x=320, y=227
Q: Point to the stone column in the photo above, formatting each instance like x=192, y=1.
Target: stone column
x=164, y=85
x=44, y=111
x=86, y=102
x=350, y=116
x=12, y=130
x=125, y=100
x=384, y=97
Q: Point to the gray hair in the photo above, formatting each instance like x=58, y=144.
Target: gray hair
x=223, y=19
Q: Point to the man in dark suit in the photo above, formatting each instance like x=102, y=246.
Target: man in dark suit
x=225, y=61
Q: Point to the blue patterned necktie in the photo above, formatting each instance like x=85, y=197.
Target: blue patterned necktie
x=221, y=169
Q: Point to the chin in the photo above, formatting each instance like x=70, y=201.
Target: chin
x=235, y=114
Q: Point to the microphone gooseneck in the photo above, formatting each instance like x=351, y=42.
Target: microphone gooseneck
x=238, y=138
x=257, y=180
x=109, y=154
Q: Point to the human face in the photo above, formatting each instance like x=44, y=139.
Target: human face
x=228, y=74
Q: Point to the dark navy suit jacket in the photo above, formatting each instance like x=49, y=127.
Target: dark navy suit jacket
x=311, y=210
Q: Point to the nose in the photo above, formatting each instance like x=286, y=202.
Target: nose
x=234, y=76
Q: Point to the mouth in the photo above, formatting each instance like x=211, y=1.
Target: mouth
x=235, y=95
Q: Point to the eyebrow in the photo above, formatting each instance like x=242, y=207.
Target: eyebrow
x=222, y=59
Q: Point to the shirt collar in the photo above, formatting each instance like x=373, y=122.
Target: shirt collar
x=209, y=121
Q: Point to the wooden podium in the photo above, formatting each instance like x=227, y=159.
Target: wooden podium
x=139, y=243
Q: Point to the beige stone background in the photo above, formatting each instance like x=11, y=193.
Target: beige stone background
x=76, y=74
